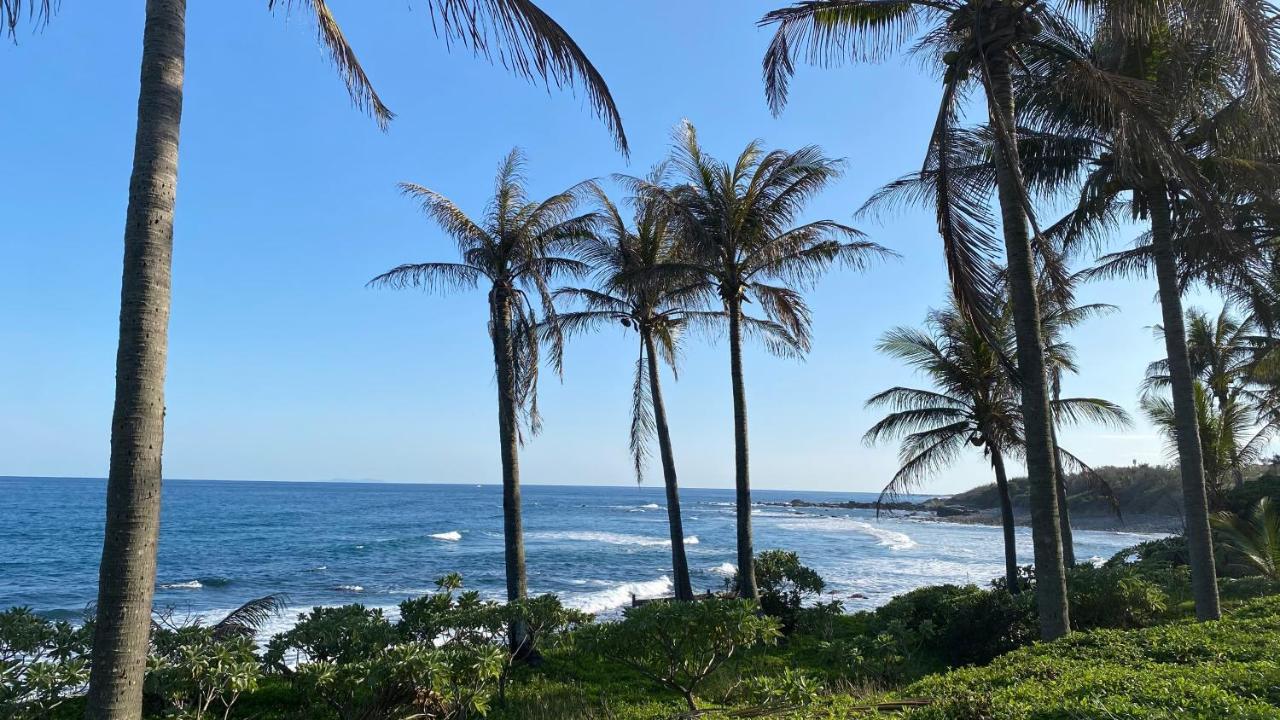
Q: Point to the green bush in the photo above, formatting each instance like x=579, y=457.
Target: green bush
x=959, y=625
x=193, y=671
x=1113, y=597
x=784, y=585
x=42, y=663
x=352, y=660
x=680, y=644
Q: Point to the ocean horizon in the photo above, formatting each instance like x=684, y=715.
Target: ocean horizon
x=327, y=543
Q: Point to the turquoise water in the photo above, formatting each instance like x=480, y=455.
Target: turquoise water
x=331, y=543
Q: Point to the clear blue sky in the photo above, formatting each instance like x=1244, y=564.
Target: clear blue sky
x=283, y=366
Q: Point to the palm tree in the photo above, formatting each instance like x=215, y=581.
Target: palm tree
x=973, y=403
x=1212, y=73
x=1223, y=352
x=627, y=292
x=983, y=44
x=1228, y=435
x=516, y=248
x=1254, y=537
x=738, y=225
x=527, y=42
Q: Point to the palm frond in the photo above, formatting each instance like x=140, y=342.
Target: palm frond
x=431, y=277
x=37, y=12
x=522, y=38
x=246, y=620
x=359, y=87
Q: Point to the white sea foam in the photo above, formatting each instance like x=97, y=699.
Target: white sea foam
x=891, y=539
x=188, y=585
x=608, y=538
x=651, y=506
x=451, y=536
x=619, y=595
x=350, y=588
x=726, y=569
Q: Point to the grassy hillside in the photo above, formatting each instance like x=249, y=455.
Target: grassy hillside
x=1135, y=489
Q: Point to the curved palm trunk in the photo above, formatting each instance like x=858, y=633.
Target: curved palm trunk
x=1051, y=580
x=742, y=477
x=127, y=575
x=508, y=437
x=1064, y=512
x=1204, y=581
x=679, y=561
x=1006, y=522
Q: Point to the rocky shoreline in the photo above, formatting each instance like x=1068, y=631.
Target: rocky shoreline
x=939, y=510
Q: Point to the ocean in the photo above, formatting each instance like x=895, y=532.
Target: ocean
x=222, y=543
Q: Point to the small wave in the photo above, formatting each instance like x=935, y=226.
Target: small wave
x=608, y=538
x=451, y=536
x=620, y=595
x=832, y=523
x=350, y=588
x=727, y=569
x=651, y=506
x=188, y=585
x=319, y=568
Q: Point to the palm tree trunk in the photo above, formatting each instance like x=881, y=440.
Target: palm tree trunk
x=127, y=575
x=1051, y=580
x=746, y=557
x=1007, y=523
x=1064, y=512
x=1204, y=581
x=500, y=301
x=679, y=561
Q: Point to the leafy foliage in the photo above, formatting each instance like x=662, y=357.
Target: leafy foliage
x=197, y=672
x=42, y=663
x=680, y=644
x=785, y=584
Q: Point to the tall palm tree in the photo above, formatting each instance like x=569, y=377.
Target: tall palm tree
x=526, y=40
x=993, y=45
x=982, y=43
x=627, y=292
x=1212, y=80
x=742, y=242
x=516, y=248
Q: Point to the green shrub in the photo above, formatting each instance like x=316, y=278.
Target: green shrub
x=355, y=662
x=680, y=644
x=959, y=625
x=42, y=663
x=784, y=585
x=193, y=671
x=1113, y=597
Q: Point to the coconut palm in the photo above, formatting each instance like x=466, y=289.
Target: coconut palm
x=974, y=402
x=985, y=45
x=629, y=294
x=1254, y=537
x=1231, y=435
x=1214, y=102
x=526, y=41
x=1223, y=352
x=742, y=244
x=516, y=248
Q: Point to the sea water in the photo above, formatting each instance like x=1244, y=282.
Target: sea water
x=222, y=543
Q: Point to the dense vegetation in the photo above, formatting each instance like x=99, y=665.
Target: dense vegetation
x=1161, y=114
x=957, y=652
